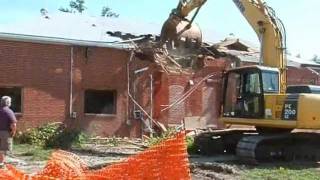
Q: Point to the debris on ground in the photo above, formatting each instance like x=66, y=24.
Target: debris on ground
x=149, y=164
x=202, y=167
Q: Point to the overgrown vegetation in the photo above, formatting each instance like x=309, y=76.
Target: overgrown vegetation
x=191, y=147
x=110, y=141
x=156, y=139
x=54, y=135
x=35, y=153
x=275, y=173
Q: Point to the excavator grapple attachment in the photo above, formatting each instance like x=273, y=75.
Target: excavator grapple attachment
x=180, y=33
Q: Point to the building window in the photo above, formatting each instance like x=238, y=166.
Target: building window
x=15, y=94
x=100, y=101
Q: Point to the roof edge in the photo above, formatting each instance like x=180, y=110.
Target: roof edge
x=62, y=41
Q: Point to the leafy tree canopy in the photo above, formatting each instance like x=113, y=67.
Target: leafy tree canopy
x=74, y=6
x=78, y=6
x=107, y=12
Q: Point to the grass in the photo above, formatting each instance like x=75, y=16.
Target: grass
x=35, y=153
x=290, y=172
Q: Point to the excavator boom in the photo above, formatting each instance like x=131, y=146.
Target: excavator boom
x=270, y=32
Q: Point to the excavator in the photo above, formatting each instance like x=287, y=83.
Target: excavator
x=285, y=124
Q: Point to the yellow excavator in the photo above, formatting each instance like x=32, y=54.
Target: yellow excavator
x=256, y=95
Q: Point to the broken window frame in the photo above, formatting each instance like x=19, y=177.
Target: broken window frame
x=99, y=111
x=16, y=101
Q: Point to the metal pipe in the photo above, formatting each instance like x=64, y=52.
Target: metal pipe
x=71, y=83
x=134, y=94
x=151, y=101
x=128, y=83
x=262, y=30
x=261, y=50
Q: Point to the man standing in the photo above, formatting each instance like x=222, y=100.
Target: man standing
x=8, y=123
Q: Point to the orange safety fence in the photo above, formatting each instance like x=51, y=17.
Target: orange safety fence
x=167, y=160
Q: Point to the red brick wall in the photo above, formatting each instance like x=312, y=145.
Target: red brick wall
x=301, y=76
x=161, y=97
x=178, y=85
x=212, y=93
x=101, y=69
x=140, y=89
x=211, y=89
x=203, y=102
x=43, y=72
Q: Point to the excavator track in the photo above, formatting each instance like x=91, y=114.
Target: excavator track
x=220, y=141
x=282, y=147
x=254, y=148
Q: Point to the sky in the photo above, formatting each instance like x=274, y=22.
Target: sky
x=217, y=17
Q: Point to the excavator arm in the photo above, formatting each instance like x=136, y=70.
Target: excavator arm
x=186, y=6
x=262, y=19
x=178, y=28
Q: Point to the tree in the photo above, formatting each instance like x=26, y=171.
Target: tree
x=316, y=59
x=66, y=10
x=43, y=11
x=107, y=12
x=75, y=6
x=78, y=6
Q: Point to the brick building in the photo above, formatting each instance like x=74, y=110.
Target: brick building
x=82, y=85
x=89, y=80
x=76, y=75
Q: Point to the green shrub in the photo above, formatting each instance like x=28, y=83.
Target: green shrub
x=66, y=139
x=191, y=147
x=39, y=136
x=159, y=138
x=113, y=141
x=53, y=135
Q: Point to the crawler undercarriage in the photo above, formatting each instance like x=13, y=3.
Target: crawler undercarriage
x=252, y=147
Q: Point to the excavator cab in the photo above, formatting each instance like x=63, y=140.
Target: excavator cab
x=244, y=91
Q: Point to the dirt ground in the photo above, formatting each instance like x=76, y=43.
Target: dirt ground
x=97, y=156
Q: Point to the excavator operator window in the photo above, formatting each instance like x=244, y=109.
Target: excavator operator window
x=244, y=95
x=270, y=81
x=233, y=91
x=250, y=100
x=252, y=83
